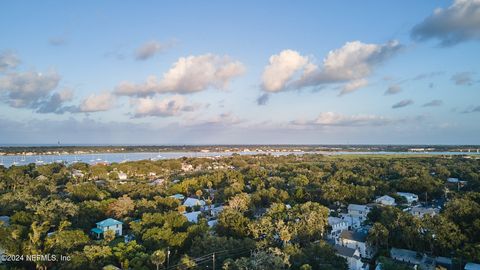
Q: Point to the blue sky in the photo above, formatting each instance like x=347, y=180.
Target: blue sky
x=206, y=72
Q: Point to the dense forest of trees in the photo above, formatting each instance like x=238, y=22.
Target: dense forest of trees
x=274, y=217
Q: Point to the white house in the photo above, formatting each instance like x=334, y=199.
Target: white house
x=215, y=211
x=359, y=211
x=410, y=197
x=122, y=176
x=157, y=182
x=355, y=240
x=420, y=211
x=192, y=216
x=338, y=225
x=77, y=173
x=187, y=167
x=385, y=200
x=191, y=202
x=106, y=225
x=353, y=257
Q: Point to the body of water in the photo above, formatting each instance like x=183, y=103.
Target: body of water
x=10, y=160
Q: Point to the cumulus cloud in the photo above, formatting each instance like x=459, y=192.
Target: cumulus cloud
x=403, y=103
x=55, y=103
x=8, y=60
x=463, y=78
x=433, y=103
x=97, y=103
x=151, y=48
x=284, y=68
x=162, y=108
x=393, y=89
x=336, y=119
x=263, y=99
x=350, y=64
x=188, y=75
x=457, y=23
x=24, y=89
x=353, y=86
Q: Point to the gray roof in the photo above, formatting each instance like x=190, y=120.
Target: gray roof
x=354, y=235
x=358, y=207
x=344, y=251
x=425, y=210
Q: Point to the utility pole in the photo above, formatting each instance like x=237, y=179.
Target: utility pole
x=213, y=261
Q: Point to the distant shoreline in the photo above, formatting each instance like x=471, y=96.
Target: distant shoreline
x=106, y=149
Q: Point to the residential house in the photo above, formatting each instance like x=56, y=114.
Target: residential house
x=77, y=173
x=192, y=202
x=444, y=262
x=413, y=258
x=192, y=216
x=187, y=167
x=472, y=266
x=385, y=200
x=122, y=176
x=410, y=197
x=212, y=223
x=157, y=182
x=338, y=225
x=352, y=256
x=359, y=211
x=215, y=211
x=355, y=240
x=420, y=211
x=459, y=183
x=107, y=224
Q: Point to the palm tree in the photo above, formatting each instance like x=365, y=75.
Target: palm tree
x=158, y=257
x=378, y=235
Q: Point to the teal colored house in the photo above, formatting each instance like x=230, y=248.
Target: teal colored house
x=105, y=225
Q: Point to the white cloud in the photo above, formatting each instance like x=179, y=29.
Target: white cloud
x=353, y=86
x=162, y=108
x=336, y=119
x=24, y=89
x=457, y=23
x=97, y=102
x=150, y=48
x=283, y=68
x=8, y=60
x=188, y=75
x=350, y=64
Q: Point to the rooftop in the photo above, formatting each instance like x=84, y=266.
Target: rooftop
x=346, y=251
x=472, y=266
x=358, y=207
x=354, y=235
x=109, y=222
